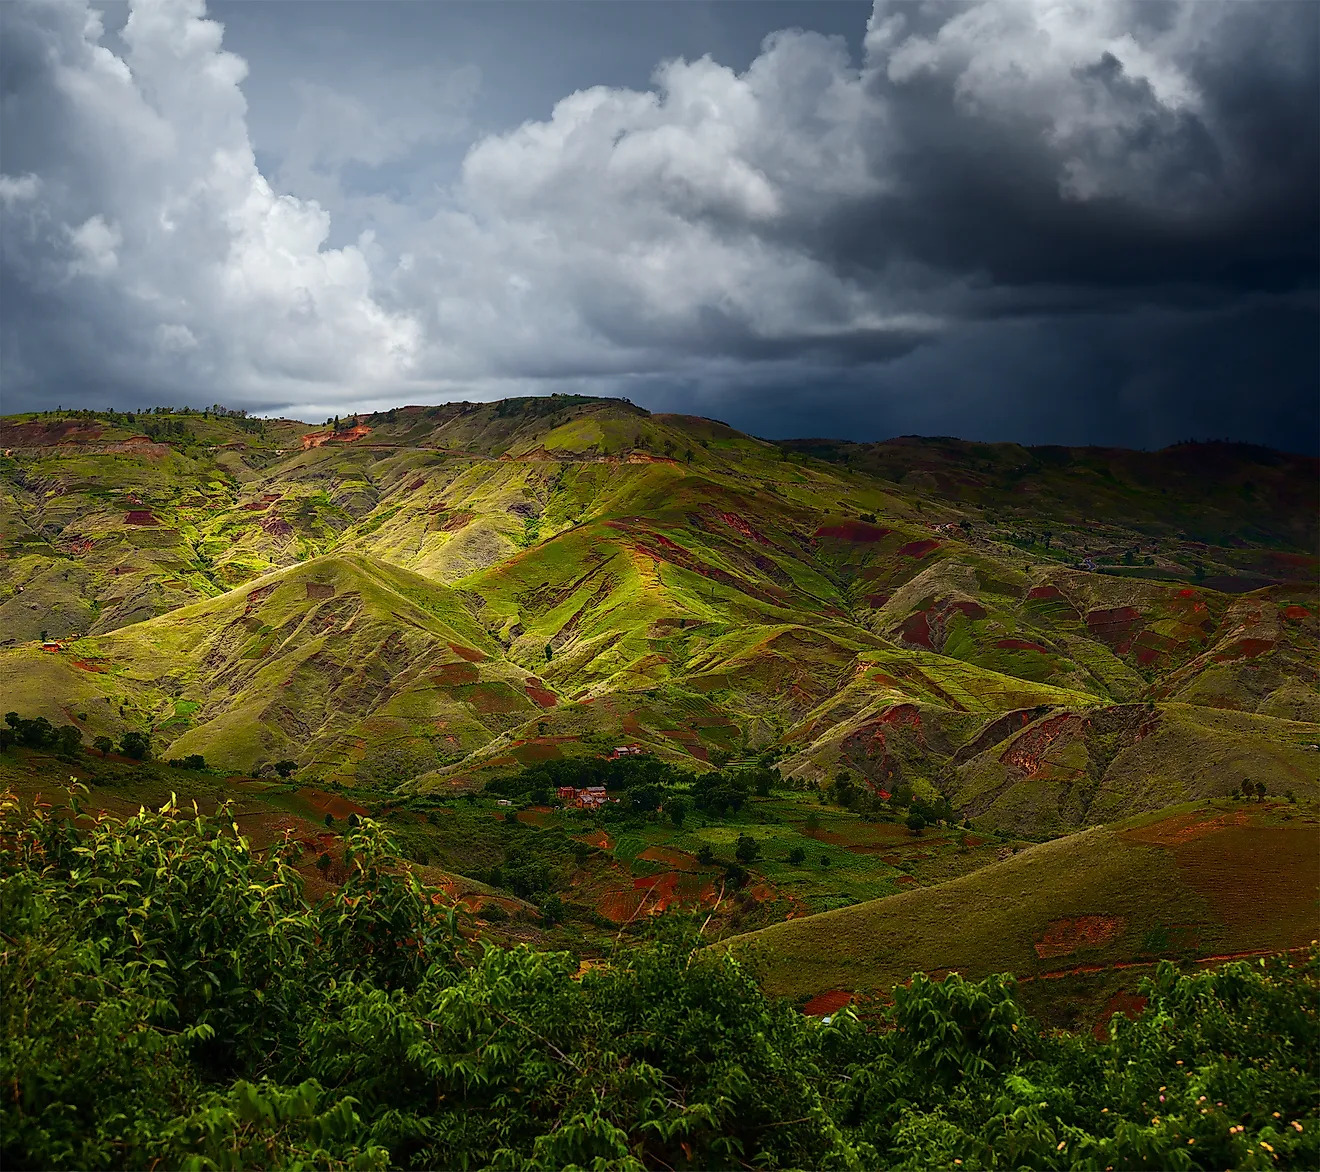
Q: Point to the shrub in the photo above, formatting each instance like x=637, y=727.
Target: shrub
x=135, y=744
x=168, y=998
x=747, y=849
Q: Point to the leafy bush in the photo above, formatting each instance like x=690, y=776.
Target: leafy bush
x=39, y=733
x=168, y=998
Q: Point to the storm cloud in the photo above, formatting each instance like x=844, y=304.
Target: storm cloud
x=1087, y=222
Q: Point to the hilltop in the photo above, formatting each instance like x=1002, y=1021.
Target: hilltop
x=430, y=597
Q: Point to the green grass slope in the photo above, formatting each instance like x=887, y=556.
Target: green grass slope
x=1198, y=880
x=661, y=580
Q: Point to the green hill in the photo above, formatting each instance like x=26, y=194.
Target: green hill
x=1192, y=881
x=430, y=596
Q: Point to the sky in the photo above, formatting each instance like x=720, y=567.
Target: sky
x=1045, y=221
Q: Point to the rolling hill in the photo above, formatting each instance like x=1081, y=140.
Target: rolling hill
x=1199, y=880
x=430, y=596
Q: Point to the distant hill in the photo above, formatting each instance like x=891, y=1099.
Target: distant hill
x=430, y=596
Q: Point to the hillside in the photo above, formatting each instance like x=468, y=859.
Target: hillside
x=1193, y=881
x=432, y=596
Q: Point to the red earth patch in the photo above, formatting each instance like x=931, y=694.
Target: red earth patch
x=1111, y=625
x=327, y=803
x=1070, y=933
x=1296, y=612
x=679, y=860
x=93, y=665
x=542, y=696
x=1021, y=645
x=973, y=610
x=455, y=675
x=320, y=590
x=1028, y=751
x=599, y=839
x=919, y=549
x=916, y=629
x=737, y=522
x=471, y=654
x=859, y=531
x=1130, y=1005
x=826, y=1003
x=140, y=517
x=1245, y=649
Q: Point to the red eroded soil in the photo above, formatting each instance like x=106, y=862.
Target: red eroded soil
x=1296, y=612
x=94, y=665
x=1183, y=828
x=1044, y=593
x=679, y=860
x=741, y=525
x=1020, y=645
x=621, y=906
x=1028, y=751
x=826, y=1003
x=916, y=629
x=317, y=439
x=140, y=517
x=327, y=803
x=320, y=590
x=1111, y=625
x=1073, y=932
x=542, y=696
x=859, y=531
x=1246, y=649
x=538, y=750
x=471, y=654
x=902, y=715
x=453, y=675
x=919, y=549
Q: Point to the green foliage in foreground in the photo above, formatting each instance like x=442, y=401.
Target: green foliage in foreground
x=170, y=999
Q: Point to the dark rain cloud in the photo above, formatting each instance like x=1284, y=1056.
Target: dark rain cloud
x=1021, y=220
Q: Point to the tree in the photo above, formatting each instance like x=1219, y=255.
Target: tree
x=797, y=856
x=915, y=822
x=286, y=767
x=747, y=849
x=135, y=744
x=677, y=809
x=705, y=856
x=329, y=819
x=549, y=653
x=68, y=740
x=103, y=745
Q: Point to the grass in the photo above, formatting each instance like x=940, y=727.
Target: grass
x=699, y=593
x=1246, y=882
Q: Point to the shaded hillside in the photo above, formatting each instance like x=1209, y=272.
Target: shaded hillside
x=1207, y=503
